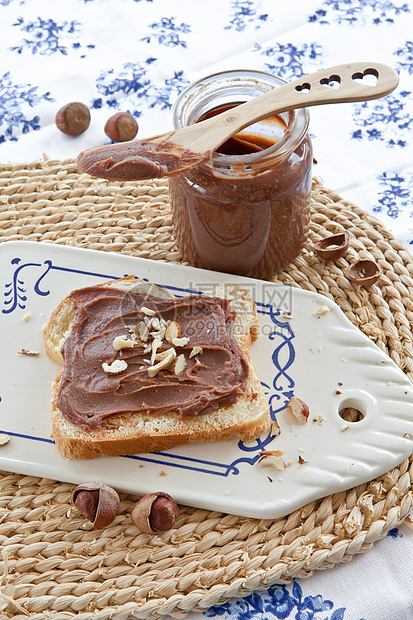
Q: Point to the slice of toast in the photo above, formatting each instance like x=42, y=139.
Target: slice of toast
x=245, y=419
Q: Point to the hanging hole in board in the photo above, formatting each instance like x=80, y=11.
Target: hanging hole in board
x=333, y=81
x=351, y=414
x=369, y=77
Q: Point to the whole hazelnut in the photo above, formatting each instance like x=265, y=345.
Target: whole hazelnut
x=73, y=119
x=98, y=502
x=121, y=127
x=155, y=512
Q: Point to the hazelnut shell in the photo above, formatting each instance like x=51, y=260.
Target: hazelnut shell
x=107, y=506
x=365, y=272
x=121, y=127
x=144, y=518
x=332, y=247
x=73, y=118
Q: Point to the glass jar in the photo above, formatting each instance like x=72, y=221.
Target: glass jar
x=244, y=213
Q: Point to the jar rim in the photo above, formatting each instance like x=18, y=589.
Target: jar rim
x=204, y=89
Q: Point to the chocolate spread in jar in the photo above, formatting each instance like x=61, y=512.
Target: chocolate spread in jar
x=90, y=397
x=252, y=220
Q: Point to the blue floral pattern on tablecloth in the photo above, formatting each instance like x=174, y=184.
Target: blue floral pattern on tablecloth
x=137, y=56
x=387, y=120
x=166, y=32
x=281, y=603
x=359, y=12
x=245, y=13
x=46, y=37
x=132, y=83
x=290, y=61
x=15, y=99
x=395, y=194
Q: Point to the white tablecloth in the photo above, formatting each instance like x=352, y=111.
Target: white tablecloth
x=136, y=56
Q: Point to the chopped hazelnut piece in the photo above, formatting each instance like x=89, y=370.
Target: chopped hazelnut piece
x=147, y=311
x=122, y=342
x=272, y=461
x=178, y=365
x=161, y=356
x=195, y=351
x=159, y=333
x=156, y=343
x=4, y=439
x=272, y=458
x=115, y=367
x=180, y=342
x=143, y=331
x=155, y=368
x=132, y=331
x=299, y=409
x=172, y=331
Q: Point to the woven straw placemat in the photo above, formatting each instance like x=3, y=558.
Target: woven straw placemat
x=54, y=564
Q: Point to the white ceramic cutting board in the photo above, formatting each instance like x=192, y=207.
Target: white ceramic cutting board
x=319, y=357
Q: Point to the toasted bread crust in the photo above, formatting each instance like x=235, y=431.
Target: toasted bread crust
x=245, y=420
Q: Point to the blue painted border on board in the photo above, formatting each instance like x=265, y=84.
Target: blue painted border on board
x=281, y=390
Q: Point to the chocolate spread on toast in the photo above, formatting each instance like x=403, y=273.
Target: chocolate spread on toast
x=94, y=399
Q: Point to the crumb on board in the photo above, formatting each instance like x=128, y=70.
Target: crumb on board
x=29, y=353
x=322, y=310
x=274, y=429
x=320, y=419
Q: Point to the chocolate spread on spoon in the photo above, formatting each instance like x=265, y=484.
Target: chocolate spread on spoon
x=90, y=397
x=139, y=159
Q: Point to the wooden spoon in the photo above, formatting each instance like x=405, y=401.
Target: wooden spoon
x=178, y=151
